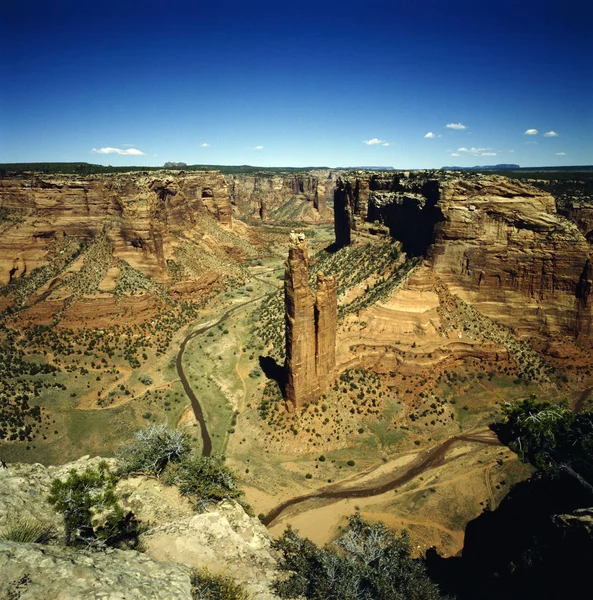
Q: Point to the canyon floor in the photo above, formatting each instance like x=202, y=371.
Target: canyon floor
x=402, y=435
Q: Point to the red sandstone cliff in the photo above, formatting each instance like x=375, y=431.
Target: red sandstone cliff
x=288, y=196
x=495, y=242
x=141, y=214
x=311, y=324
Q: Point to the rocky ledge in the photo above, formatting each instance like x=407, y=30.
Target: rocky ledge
x=176, y=539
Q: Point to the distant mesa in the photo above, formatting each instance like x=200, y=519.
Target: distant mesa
x=175, y=165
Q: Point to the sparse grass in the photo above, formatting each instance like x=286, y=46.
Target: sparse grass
x=206, y=586
x=27, y=530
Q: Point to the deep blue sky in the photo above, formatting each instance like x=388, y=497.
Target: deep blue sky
x=306, y=83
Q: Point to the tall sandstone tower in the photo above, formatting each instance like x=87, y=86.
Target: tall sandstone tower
x=311, y=325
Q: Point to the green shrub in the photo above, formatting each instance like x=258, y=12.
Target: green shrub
x=206, y=586
x=204, y=479
x=93, y=515
x=27, y=530
x=153, y=449
x=367, y=561
x=145, y=379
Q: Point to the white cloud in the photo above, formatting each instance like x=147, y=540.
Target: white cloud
x=386, y=144
x=455, y=154
x=259, y=148
x=550, y=134
x=205, y=145
x=107, y=150
x=374, y=142
x=476, y=151
x=457, y=126
x=430, y=135
x=530, y=132
x=560, y=153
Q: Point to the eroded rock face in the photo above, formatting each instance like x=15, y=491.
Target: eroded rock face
x=311, y=324
x=139, y=214
x=495, y=242
x=298, y=196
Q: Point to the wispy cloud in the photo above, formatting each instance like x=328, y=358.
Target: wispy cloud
x=108, y=150
x=530, y=132
x=385, y=144
x=455, y=154
x=258, y=148
x=430, y=135
x=550, y=134
x=205, y=145
x=530, y=143
x=477, y=151
x=456, y=126
x=560, y=153
x=374, y=142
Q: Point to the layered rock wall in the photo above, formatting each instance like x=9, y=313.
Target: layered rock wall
x=138, y=212
x=311, y=324
x=497, y=243
x=298, y=196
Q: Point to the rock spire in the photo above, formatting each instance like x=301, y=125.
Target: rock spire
x=311, y=325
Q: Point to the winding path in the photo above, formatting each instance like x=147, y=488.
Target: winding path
x=433, y=457
x=206, y=439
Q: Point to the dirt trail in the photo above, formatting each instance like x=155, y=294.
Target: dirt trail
x=206, y=439
x=199, y=413
x=433, y=457
x=244, y=397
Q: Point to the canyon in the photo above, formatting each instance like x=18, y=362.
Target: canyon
x=400, y=317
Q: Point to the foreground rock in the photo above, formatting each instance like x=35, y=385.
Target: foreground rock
x=33, y=571
x=224, y=540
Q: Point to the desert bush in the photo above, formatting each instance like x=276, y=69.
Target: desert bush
x=204, y=479
x=206, y=586
x=27, y=530
x=368, y=562
x=153, y=449
x=145, y=379
x=93, y=515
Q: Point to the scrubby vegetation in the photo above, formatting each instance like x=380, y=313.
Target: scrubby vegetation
x=551, y=437
x=368, y=561
x=206, y=586
x=205, y=480
x=153, y=449
x=165, y=452
x=93, y=515
x=27, y=530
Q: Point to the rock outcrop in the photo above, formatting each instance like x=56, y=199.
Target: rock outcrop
x=176, y=539
x=141, y=214
x=289, y=196
x=311, y=325
x=497, y=243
